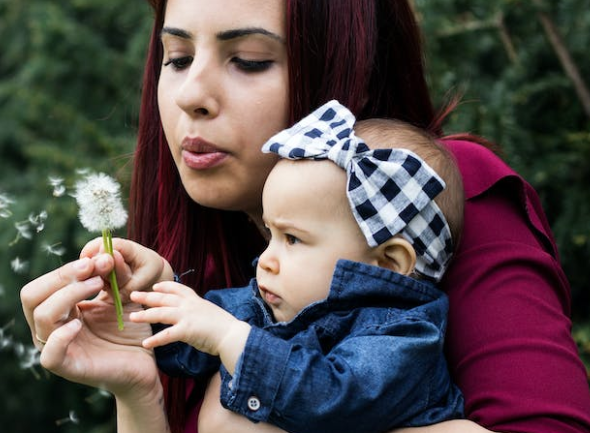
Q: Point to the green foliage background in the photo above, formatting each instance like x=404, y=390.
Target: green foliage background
x=70, y=76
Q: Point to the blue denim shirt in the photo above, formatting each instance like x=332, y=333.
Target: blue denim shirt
x=369, y=358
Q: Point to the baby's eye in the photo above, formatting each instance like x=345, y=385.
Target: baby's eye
x=179, y=63
x=252, y=65
x=292, y=240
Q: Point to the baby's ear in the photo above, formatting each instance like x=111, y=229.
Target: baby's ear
x=398, y=255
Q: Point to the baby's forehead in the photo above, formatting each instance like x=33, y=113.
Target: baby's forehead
x=301, y=178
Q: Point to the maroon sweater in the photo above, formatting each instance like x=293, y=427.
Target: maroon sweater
x=508, y=341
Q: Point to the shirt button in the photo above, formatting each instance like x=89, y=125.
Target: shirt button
x=253, y=403
x=230, y=384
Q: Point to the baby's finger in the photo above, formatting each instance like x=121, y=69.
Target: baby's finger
x=155, y=299
x=175, y=288
x=167, y=316
x=165, y=336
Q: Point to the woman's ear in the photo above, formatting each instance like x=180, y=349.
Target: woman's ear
x=397, y=254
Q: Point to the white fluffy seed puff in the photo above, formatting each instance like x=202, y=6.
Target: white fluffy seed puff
x=99, y=199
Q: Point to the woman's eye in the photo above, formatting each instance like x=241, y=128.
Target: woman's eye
x=292, y=240
x=179, y=63
x=252, y=65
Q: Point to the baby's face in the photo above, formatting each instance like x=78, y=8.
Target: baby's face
x=311, y=227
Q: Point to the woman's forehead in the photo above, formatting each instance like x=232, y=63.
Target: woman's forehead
x=222, y=15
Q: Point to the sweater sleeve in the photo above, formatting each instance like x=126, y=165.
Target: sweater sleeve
x=509, y=342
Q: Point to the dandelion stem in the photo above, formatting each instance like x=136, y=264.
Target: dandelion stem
x=107, y=239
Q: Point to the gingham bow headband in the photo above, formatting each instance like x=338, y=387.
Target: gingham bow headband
x=390, y=191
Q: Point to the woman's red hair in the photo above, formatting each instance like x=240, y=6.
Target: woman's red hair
x=365, y=53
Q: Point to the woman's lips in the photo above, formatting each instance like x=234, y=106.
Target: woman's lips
x=200, y=155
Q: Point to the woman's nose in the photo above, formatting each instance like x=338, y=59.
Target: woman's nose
x=268, y=261
x=199, y=93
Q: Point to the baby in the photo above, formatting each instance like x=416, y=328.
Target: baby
x=342, y=330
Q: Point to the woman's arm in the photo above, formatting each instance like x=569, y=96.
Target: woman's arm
x=453, y=426
x=509, y=342
x=142, y=413
x=214, y=418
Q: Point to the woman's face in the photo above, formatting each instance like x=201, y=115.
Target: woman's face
x=222, y=93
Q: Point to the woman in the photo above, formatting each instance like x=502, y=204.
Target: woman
x=228, y=75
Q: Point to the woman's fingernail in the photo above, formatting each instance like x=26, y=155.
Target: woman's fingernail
x=94, y=282
x=81, y=264
x=102, y=262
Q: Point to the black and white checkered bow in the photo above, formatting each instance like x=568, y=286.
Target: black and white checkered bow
x=390, y=191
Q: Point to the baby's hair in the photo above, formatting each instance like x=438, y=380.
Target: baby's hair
x=394, y=133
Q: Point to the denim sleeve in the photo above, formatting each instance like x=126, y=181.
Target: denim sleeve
x=367, y=383
x=180, y=359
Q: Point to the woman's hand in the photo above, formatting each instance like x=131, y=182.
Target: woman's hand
x=79, y=339
x=137, y=267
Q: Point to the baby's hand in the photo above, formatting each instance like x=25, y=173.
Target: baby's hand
x=194, y=320
x=137, y=267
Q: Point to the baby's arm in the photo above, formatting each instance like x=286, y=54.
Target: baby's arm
x=194, y=320
x=367, y=383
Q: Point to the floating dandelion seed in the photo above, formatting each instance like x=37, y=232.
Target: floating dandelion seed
x=72, y=418
x=5, y=339
x=23, y=229
x=38, y=221
x=5, y=203
x=57, y=184
x=98, y=395
x=101, y=210
x=19, y=266
x=54, y=249
x=83, y=171
x=30, y=357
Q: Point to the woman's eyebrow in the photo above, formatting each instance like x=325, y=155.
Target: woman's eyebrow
x=225, y=35
x=238, y=33
x=180, y=33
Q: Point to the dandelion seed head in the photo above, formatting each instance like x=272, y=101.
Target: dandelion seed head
x=99, y=199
